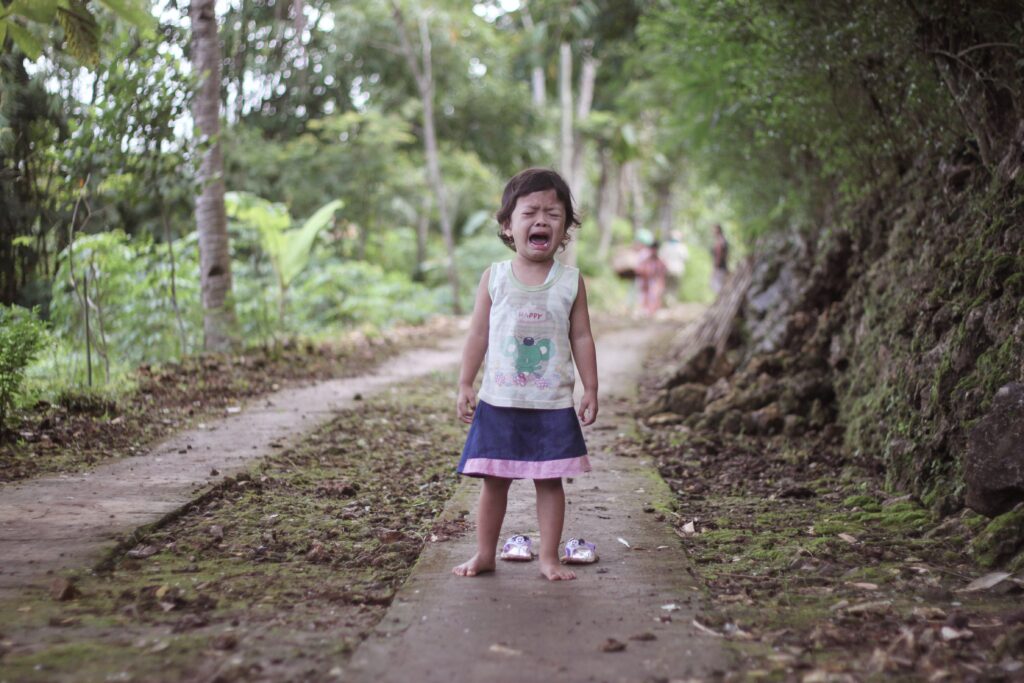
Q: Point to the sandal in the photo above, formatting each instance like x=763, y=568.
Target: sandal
x=517, y=548
x=578, y=551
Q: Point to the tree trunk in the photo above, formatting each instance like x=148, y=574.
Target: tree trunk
x=565, y=160
x=637, y=208
x=607, y=199
x=538, y=88
x=422, y=226
x=211, y=219
x=169, y=238
x=664, y=210
x=565, y=103
x=588, y=76
x=422, y=70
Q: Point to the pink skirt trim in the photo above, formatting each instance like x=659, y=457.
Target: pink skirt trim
x=525, y=469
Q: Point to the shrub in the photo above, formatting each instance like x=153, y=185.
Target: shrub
x=21, y=337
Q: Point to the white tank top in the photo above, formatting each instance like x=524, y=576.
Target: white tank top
x=529, y=361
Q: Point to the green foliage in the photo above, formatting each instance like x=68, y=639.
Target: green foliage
x=288, y=250
x=338, y=295
x=81, y=29
x=22, y=336
x=131, y=312
x=784, y=103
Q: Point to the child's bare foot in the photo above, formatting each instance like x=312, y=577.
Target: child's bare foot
x=554, y=571
x=473, y=566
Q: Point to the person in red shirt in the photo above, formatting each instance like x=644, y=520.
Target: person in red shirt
x=650, y=277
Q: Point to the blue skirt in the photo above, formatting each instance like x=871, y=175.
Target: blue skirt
x=524, y=443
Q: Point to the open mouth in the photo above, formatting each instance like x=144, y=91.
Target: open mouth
x=540, y=240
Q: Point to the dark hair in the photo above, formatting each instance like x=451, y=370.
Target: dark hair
x=527, y=182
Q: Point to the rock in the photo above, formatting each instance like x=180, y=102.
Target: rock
x=63, y=589
x=224, y=641
x=763, y=391
x=809, y=385
x=317, y=553
x=1001, y=539
x=722, y=365
x=720, y=389
x=141, y=552
x=819, y=415
x=657, y=405
x=686, y=399
x=768, y=363
x=767, y=420
x=338, y=488
x=694, y=367
x=664, y=419
x=994, y=464
x=793, y=425
x=731, y=422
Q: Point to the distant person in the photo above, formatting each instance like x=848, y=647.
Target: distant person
x=675, y=254
x=531, y=321
x=719, y=259
x=650, y=278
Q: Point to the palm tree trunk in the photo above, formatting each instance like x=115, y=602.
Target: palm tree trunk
x=422, y=70
x=211, y=219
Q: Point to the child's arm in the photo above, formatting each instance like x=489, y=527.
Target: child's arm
x=473, y=352
x=581, y=339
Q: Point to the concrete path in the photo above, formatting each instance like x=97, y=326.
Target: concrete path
x=67, y=522
x=514, y=626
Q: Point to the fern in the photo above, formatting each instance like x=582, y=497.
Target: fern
x=80, y=31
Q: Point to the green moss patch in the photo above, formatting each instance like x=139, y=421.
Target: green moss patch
x=812, y=565
x=277, y=573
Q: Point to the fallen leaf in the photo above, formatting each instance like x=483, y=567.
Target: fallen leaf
x=949, y=633
x=875, y=607
x=929, y=613
x=612, y=645
x=704, y=629
x=983, y=583
x=225, y=641
x=141, y=552
x=848, y=538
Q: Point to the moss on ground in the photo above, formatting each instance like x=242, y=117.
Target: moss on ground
x=279, y=570
x=830, y=581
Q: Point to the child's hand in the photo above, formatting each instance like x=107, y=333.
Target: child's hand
x=466, y=405
x=588, y=408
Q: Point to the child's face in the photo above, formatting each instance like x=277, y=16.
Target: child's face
x=537, y=225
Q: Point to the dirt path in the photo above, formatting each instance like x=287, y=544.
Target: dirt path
x=514, y=625
x=66, y=522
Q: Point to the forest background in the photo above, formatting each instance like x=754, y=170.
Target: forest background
x=364, y=146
